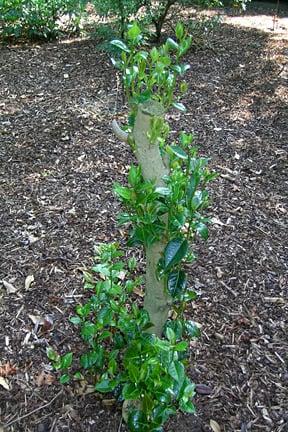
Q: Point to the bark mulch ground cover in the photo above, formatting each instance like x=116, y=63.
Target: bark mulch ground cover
x=58, y=161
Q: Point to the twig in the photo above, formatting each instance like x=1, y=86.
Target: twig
x=228, y=288
x=35, y=410
x=120, y=424
x=53, y=425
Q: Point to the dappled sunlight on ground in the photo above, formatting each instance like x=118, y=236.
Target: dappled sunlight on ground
x=266, y=23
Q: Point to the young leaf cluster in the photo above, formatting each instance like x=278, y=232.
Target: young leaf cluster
x=153, y=74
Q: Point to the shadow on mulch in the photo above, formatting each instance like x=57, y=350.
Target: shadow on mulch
x=58, y=163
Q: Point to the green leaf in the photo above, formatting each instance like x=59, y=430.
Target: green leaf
x=181, y=346
x=64, y=379
x=123, y=192
x=83, y=311
x=130, y=392
x=142, y=97
x=132, y=263
x=121, y=45
x=179, y=31
x=177, y=372
x=183, y=87
x=102, y=269
x=197, y=200
x=202, y=229
x=191, y=329
x=174, y=252
x=170, y=335
x=105, y=335
x=133, y=372
x=78, y=376
x=105, y=315
x=154, y=54
x=179, y=106
x=193, y=183
x=176, y=326
x=162, y=413
x=137, y=421
x=134, y=176
x=88, y=330
x=189, y=390
x=105, y=385
x=190, y=295
x=133, y=32
x=75, y=320
x=164, y=191
x=172, y=44
x=176, y=283
x=51, y=354
x=66, y=360
x=177, y=68
x=179, y=152
x=184, y=68
x=92, y=358
x=187, y=406
x=186, y=139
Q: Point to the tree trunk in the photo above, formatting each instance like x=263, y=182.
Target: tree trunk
x=159, y=20
x=157, y=301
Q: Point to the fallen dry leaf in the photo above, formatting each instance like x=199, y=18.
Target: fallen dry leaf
x=82, y=388
x=44, y=378
x=4, y=383
x=9, y=287
x=138, y=292
x=28, y=281
x=7, y=369
x=215, y=426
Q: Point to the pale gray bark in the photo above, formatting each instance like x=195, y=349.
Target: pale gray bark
x=148, y=154
x=156, y=301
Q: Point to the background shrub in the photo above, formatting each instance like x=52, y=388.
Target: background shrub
x=39, y=19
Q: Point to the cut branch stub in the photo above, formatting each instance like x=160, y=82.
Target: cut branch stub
x=122, y=135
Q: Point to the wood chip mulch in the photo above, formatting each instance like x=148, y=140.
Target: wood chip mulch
x=58, y=162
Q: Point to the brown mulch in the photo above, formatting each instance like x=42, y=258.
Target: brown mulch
x=58, y=161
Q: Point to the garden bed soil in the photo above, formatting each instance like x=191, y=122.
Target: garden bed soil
x=59, y=160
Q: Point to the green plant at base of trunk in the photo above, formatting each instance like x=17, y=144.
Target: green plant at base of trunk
x=129, y=362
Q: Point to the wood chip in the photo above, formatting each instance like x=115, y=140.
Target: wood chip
x=4, y=383
x=9, y=287
x=28, y=281
x=214, y=426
